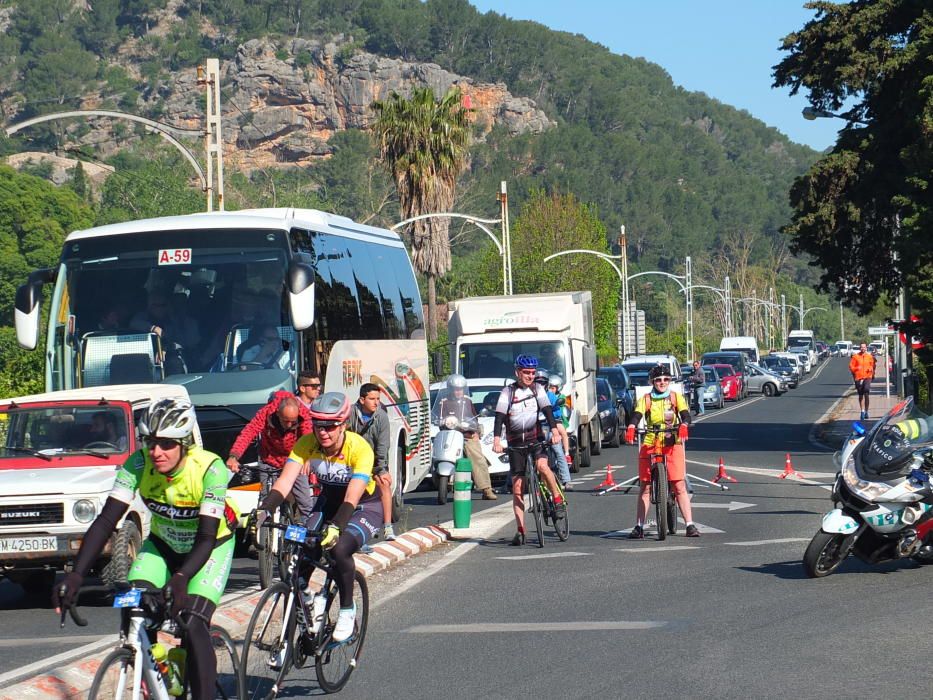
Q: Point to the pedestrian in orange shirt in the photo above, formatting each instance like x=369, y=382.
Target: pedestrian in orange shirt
x=862, y=367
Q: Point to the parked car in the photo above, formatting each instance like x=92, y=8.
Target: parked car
x=834, y=350
x=783, y=367
x=621, y=383
x=730, y=382
x=795, y=360
x=845, y=347
x=712, y=390
x=60, y=454
x=876, y=347
x=822, y=350
x=612, y=416
x=804, y=354
x=638, y=367
x=761, y=380
x=737, y=360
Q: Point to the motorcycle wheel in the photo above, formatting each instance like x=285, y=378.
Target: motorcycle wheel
x=824, y=554
x=442, y=485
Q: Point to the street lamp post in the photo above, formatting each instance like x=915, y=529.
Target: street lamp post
x=685, y=287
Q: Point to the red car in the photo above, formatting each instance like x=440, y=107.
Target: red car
x=730, y=381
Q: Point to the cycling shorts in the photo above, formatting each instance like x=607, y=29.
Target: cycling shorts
x=155, y=564
x=365, y=522
x=862, y=386
x=519, y=455
x=676, y=462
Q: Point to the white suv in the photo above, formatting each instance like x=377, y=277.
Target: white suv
x=59, y=455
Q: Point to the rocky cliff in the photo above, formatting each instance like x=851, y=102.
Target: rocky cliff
x=282, y=103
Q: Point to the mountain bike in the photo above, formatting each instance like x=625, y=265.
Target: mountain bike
x=665, y=505
x=542, y=504
x=278, y=635
x=130, y=671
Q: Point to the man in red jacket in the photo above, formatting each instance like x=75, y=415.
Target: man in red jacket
x=278, y=425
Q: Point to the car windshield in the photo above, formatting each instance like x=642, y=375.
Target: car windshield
x=710, y=374
x=639, y=378
x=63, y=430
x=725, y=371
x=615, y=378
x=603, y=392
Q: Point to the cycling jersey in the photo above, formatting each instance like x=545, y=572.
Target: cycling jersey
x=661, y=413
x=355, y=461
x=518, y=409
x=198, y=488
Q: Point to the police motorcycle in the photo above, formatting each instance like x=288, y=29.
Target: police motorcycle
x=453, y=417
x=883, y=495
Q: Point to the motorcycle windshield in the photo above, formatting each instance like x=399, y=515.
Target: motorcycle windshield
x=453, y=408
x=900, y=442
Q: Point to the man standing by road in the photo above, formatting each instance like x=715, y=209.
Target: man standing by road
x=698, y=379
x=278, y=425
x=862, y=367
x=370, y=420
x=309, y=386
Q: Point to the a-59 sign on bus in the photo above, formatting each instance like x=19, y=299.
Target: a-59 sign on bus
x=175, y=256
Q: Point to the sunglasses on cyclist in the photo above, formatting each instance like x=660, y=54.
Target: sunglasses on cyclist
x=164, y=444
x=661, y=379
x=326, y=427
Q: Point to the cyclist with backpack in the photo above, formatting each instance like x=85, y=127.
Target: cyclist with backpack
x=517, y=411
x=662, y=409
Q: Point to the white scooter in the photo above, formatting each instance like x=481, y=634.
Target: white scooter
x=452, y=415
x=883, y=495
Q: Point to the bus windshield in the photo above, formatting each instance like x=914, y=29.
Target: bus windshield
x=163, y=305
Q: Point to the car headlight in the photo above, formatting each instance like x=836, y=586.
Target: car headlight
x=605, y=414
x=84, y=510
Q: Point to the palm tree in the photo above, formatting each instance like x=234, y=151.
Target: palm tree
x=423, y=143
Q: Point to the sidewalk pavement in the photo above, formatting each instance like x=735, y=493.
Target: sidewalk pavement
x=836, y=425
x=71, y=678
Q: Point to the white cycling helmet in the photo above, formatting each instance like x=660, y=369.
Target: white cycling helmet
x=170, y=418
x=555, y=380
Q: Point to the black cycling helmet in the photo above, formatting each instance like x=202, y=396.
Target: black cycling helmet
x=526, y=362
x=659, y=371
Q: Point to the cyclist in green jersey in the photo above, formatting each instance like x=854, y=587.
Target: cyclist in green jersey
x=189, y=550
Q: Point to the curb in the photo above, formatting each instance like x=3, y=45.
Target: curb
x=71, y=680
x=817, y=432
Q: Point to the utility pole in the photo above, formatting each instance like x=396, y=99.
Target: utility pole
x=209, y=77
x=842, y=325
x=688, y=292
x=770, y=317
x=783, y=319
x=729, y=323
x=625, y=342
x=502, y=196
x=800, y=319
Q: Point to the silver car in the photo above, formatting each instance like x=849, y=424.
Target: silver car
x=761, y=380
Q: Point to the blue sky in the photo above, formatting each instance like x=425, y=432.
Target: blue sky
x=725, y=48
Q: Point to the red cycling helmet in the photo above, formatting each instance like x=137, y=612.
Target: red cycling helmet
x=331, y=408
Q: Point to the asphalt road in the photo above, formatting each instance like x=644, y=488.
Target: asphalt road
x=727, y=615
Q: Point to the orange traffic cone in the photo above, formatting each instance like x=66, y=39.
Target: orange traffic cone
x=722, y=476
x=789, y=469
x=608, y=481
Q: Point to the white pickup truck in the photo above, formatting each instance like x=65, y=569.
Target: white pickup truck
x=59, y=455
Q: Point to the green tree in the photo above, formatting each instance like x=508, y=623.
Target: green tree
x=549, y=223
x=424, y=144
x=863, y=211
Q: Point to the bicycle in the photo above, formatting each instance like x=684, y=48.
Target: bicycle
x=130, y=671
x=543, y=506
x=278, y=636
x=268, y=543
x=665, y=505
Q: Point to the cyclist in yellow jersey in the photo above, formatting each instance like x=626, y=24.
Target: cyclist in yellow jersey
x=348, y=504
x=189, y=550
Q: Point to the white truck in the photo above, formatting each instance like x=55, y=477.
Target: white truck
x=804, y=338
x=487, y=334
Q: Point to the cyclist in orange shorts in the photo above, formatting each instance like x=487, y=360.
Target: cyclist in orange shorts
x=662, y=408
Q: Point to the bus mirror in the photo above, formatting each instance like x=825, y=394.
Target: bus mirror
x=301, y=294
x=26, y=312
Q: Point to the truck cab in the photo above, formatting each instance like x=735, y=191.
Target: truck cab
x=488, y=333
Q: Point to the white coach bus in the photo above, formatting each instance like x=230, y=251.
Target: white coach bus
x=191, y=299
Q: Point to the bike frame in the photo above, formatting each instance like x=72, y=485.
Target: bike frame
x=133, y=637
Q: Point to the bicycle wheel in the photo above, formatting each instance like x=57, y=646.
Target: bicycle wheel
x=268, y=645
x=561, y=525
x=228, y=665
x=267, y=556
x=335, y=661
x=659, y=487
x=114, y=677
x=671, y=512
x=537, y=507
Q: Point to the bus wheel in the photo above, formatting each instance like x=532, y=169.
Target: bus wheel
x=398, y=484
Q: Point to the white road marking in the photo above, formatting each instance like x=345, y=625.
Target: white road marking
x=672, y=548
x=501, y=627
x=28, y=641
x=755, y=543
x=730, y=506
x=651, y=530
x=724, y=411
x=761, y=471
x=549, y=555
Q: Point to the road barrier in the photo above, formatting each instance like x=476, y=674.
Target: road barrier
x=463, y=492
